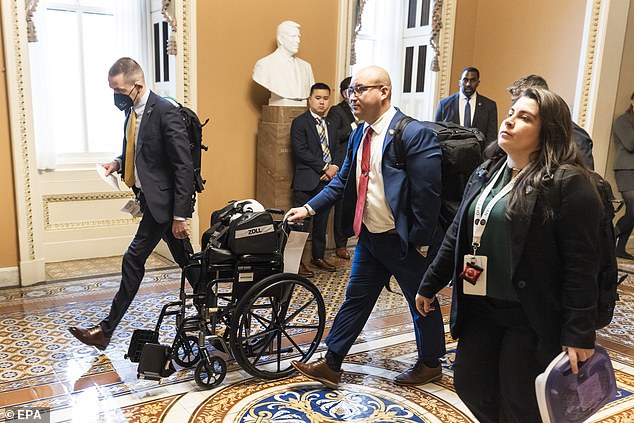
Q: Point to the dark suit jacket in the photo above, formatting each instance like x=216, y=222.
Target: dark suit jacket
x=485, y=117
x=342, y=114
x=413, y=194
x=307, y=154
x=554, y=263
x=584, y=144
x=163, y=160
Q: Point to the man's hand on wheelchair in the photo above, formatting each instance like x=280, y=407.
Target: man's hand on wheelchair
x=296, y=214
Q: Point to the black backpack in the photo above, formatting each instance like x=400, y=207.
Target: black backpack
x=461, y=155
x=608, y=279
x=196, y=146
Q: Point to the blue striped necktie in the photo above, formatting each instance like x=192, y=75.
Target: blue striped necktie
x=321, y=129
x=467, y=114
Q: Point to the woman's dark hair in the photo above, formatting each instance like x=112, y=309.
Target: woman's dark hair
x=630, y=108
x=556, y=148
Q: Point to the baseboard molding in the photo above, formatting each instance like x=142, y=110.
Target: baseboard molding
x=9, y=277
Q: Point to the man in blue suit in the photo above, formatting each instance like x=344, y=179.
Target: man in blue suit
x=469, y=108
x=156, y=163
x=315, y=152
x=394, y=213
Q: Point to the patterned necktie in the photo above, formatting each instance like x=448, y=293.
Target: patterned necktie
x=321, y=129
x=467, y=114
x=362, y=192
x=129, y=149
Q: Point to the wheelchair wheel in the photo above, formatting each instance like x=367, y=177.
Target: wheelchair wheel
x=280, y=318
x=186, y=352
x=210, y=373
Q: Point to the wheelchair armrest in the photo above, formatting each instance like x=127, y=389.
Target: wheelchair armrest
x=261, y=258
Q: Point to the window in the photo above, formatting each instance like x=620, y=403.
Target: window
x=75, y=120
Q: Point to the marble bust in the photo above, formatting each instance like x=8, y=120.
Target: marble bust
x=287, y=77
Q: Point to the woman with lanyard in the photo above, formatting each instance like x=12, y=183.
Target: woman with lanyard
x=521, y=254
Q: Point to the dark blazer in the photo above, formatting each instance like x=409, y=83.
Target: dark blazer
x=485, y=117
x=413, y=194
x=623, y=138
x=342, y=115
x=554, y=263
x=163, y=160
x=584, y=144
x=307, y=154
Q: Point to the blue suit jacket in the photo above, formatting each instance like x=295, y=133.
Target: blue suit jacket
x=485, y=117
x=163, y=160
x=307, y=153
x=412, y=194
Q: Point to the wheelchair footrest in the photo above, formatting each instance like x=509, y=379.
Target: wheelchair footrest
x=140, y=337
x=155, y=362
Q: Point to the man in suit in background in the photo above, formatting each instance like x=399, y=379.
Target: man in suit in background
x=468, y=108
x=346, y=123
x=579, y=135
x=315, y=151
x=394, y=213
x=156, y=163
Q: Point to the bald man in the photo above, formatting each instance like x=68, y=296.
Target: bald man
x=394, y=214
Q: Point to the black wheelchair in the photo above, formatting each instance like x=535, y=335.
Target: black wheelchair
x=243, y=305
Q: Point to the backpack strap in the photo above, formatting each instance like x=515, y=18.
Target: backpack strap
x=399, y=145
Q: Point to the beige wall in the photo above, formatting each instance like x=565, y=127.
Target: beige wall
x=8, y=222
x=506, y=40
x=232, y=36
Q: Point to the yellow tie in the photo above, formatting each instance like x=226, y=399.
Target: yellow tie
x=129, y=150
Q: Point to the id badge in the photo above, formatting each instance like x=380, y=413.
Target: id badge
x=474, y=275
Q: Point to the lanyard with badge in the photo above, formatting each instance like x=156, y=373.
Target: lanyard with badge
x=475, y=266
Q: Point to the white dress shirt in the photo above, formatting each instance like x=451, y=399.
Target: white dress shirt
x=463, y=102
x=377, y=215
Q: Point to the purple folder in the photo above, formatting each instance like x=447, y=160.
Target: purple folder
x=566, y=398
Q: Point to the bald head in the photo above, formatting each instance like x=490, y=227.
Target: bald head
x=372, y=95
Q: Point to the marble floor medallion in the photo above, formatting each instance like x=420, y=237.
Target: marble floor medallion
x=360, y=398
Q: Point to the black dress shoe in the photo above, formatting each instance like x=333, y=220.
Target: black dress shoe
x=624, y=255
x=342, y=252
x=93, y=337
x=305, y=271
x=322, y=264
x=320, y=372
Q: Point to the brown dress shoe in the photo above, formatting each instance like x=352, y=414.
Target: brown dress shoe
x=305, y=271
x=420, y=374
x=342, y=252
x=93, y=337
x=319, y=371
x=322, y=264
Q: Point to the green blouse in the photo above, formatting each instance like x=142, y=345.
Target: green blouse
x=495, y=243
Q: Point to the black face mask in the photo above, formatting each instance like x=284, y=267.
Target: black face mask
x=123, y=101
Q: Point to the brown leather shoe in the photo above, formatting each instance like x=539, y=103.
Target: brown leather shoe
x=305, y=271
x=319, y=371
x=420, y=374
x=93, y=337
x=322, y=264
x=342, y=252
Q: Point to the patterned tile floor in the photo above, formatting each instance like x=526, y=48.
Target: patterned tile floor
x=42, y=365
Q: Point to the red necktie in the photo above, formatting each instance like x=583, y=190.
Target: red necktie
x=362, y=192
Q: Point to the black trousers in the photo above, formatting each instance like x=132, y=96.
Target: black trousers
x=320, y=220
x=497, y=361
x=147, y=237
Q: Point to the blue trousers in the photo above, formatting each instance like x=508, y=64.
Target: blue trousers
x=376, y=259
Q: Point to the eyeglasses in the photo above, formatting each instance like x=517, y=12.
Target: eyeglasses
x=360, y=89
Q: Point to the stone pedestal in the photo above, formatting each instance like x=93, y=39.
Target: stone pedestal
x=274, y=158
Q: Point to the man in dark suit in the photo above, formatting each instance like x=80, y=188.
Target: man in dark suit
x=470, y=108
x=315, y=151
x=346, y=123
x=156, y=163
x=394, y=213
x=579, y=135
